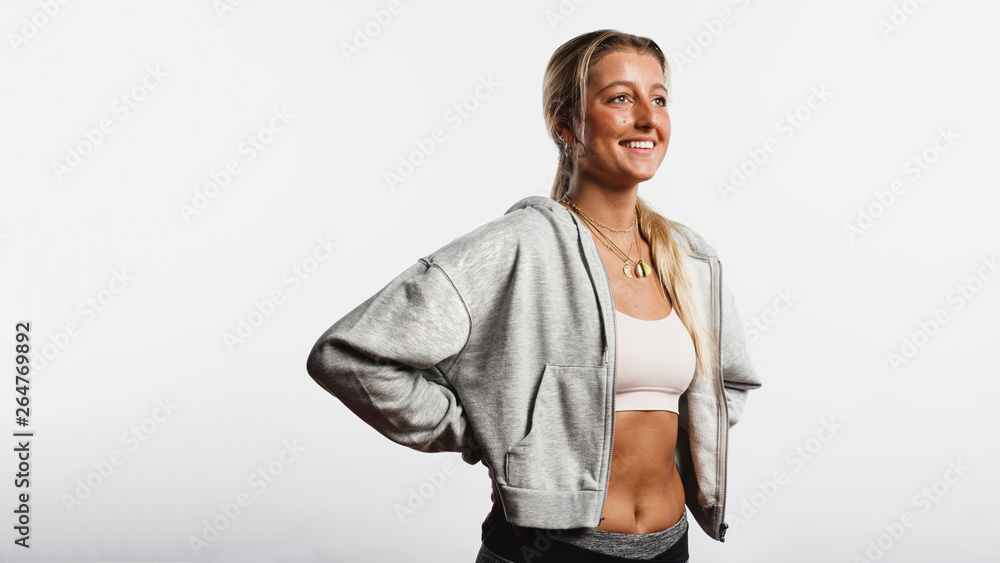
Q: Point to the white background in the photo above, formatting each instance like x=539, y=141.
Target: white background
x=824, y=359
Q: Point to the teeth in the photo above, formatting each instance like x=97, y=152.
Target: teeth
x=639, y=144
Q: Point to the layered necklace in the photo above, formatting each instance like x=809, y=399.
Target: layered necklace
x=642, y=269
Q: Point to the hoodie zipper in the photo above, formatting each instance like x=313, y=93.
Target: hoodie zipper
x=614, y=372
x=614, y=383
x=723, y=418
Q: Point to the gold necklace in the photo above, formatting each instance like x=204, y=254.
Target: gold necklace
x=592, y=220
x=610, y=244
x=641, y=268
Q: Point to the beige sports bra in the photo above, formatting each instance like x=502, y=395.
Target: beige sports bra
x=656, y=363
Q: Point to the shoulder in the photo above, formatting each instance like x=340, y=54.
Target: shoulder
x=537, y=214
x=535, y=224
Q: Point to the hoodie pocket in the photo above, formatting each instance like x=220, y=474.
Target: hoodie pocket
x=562, y=450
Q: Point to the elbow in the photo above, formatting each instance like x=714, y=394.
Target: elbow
x=320, y=363
x=335, y=367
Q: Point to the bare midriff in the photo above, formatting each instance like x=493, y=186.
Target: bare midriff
x=645, y=493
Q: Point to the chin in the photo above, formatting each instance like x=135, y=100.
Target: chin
x=643, y=176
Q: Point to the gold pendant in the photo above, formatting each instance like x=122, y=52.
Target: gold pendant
x=646, y=270
x=627, y=270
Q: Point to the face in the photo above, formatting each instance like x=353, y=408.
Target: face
x=627, y=127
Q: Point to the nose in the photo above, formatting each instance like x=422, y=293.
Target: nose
x=645, y=115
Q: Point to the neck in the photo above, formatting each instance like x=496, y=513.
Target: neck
x=612, y=207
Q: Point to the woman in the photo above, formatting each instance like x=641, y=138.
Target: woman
x=567, y=329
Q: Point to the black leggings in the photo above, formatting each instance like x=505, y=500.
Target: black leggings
x=501, y=545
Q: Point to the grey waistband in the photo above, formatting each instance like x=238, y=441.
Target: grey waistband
x=635, y=546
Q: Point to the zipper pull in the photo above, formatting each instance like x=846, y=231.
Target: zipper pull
x=722, y=531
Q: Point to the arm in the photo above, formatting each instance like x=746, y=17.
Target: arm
x=738, y=374
x=383, y=360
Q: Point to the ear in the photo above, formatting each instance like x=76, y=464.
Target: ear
x=561, y=126
x=564, y=132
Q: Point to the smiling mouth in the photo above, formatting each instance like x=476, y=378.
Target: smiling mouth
x=638, y=144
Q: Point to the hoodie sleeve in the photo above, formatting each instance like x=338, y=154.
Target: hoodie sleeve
x=384, y=361
x=738, y=374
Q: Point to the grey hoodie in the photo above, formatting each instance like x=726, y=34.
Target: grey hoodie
x=501, y=345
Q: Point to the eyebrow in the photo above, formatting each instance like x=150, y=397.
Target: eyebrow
x=631, y=84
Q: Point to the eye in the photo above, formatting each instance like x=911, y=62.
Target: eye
x=662, y=101
x=621, y=97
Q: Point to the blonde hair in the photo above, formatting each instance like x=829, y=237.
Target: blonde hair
x=564, y=102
